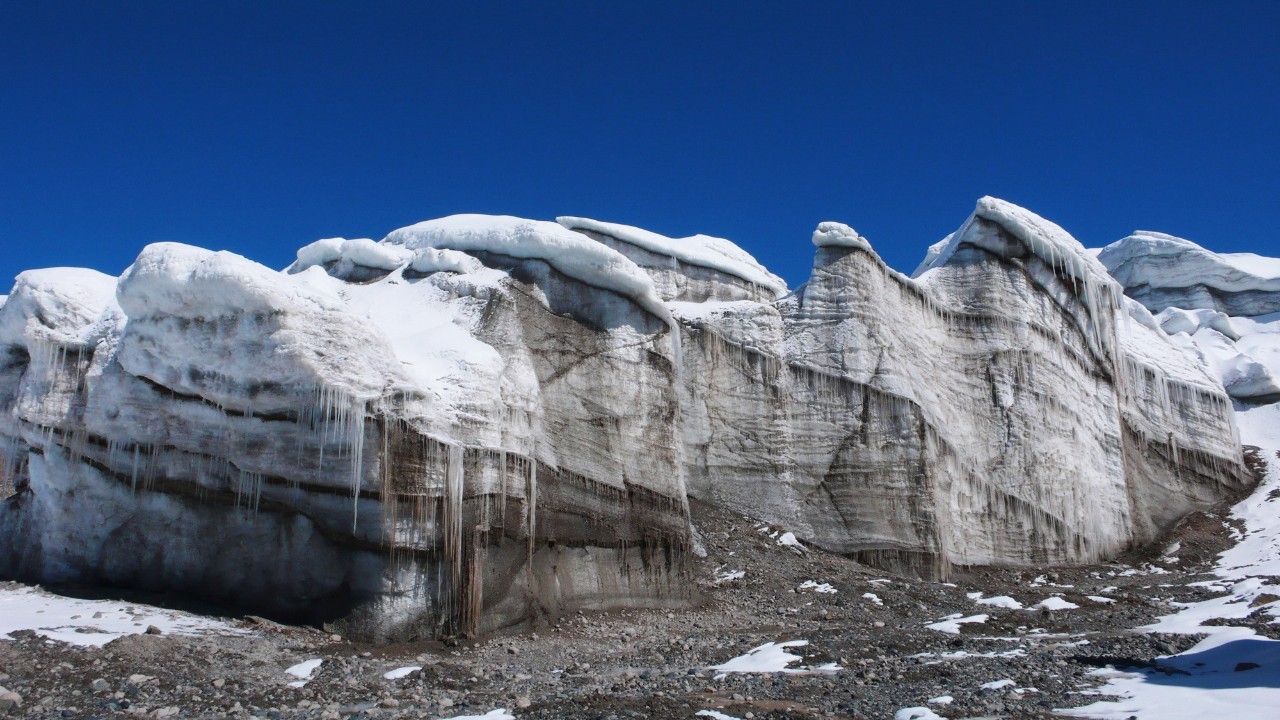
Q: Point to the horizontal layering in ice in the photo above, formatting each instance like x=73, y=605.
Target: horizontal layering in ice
x=479, y=418
x=1222, y=308
x=571, y=253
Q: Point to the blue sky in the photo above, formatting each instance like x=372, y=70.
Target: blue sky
x=258, y=127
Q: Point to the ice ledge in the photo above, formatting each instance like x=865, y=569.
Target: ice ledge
x=700, y=250
x=57, y=305
x=834, y=234
x=571, y=253
x=1165, y=261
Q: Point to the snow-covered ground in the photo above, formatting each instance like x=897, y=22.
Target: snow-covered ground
x=773, y=658
x=93, y=622
x=1234, y=672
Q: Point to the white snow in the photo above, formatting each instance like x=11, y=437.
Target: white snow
x=788, y=539
x=429, y=260
x=1204, y=683
x=1231, y=360
x=730, y=576
x=55, y=306
x=573, y=254
x=94, y=622
x=951, y=623
x=303, y=671
x=320, y=252
x=401, y=672
x=1043, y=238
x=317, y=339
x=772, y=657
x=931, y=257
x=359, y=251
x=1055, y=603
x=715, y=715
x=1208, y=681
x=834, y=234
x=701, y=250
x=917, y=713
x=1165, y=261
x=817, y=587
x=711, y=309
x=1001, y=601
x=499, y=714
x=366, y=252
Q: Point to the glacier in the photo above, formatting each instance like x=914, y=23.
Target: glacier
x=483, y=420
x=1223, y=308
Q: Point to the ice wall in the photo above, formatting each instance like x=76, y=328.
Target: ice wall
x=1162, y=271
x=1008, y=406
x=409, y=454
x=1221, y=308
x=479, y=420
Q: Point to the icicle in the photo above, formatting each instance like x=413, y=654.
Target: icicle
x=453, y=513
x=531, y=502
x=502, y=512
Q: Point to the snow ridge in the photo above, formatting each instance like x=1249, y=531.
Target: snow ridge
x=573, y=254
x=700, y=250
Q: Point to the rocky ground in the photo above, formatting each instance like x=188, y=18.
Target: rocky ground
x=649, y=664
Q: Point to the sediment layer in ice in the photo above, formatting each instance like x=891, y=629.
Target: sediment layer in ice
x=481, y=419
x=1163, y=271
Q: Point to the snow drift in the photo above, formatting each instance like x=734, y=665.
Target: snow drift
x=482, y=419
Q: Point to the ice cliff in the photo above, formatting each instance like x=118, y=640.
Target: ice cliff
x=482, y=419
x=1221, y=307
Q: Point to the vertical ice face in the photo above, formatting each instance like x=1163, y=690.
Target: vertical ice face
x=1005, y=407
x=406, y=441
x=483, y=417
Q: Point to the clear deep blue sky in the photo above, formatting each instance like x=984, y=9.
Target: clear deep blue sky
x=258, y=127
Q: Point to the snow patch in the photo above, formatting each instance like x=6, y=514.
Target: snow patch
x=788, y=539
x=499, y=714
x=817, y=587
x=730, y=576
x=917, y=713
x=715, y=715
x=951, y=623
x=303, y=672
x=94, y=622
x=772, y=657
x=1001, y=601
x=1055, y=603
